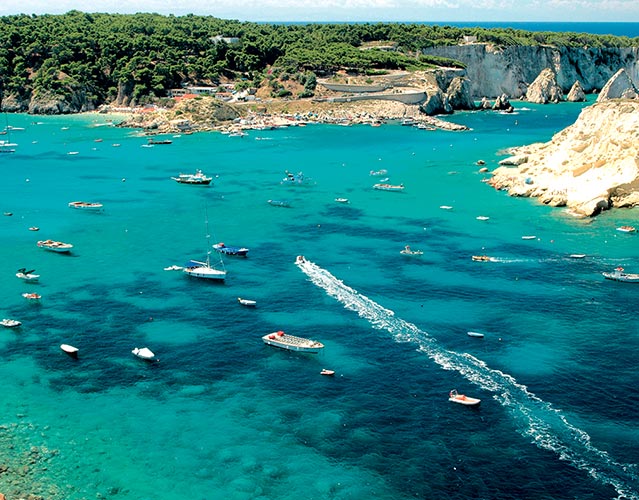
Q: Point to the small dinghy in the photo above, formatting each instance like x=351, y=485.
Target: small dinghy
x=70, y=350
x=462, y=399
x=144, y=353
x=476, y=334
x=247, y=302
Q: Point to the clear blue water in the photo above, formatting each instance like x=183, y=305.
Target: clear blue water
x=224, y=416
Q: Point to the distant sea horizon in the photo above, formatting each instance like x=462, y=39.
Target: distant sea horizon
x=629, y=29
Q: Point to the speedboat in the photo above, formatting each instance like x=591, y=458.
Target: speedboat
x=10, y=323
x=279, y=203
x=32, y=296
x=389, y=187
x=341, y=200
x=530, y=237
x=408, y=251
x=34, y=228
x=379, y=173
x=246, y=302
x=481, y=258
x=55, y=246
x=292, y=343
x=627, y=229
x=230, y=250
x=577, y=255
x=28, y=276
x=326, y=372
x=620, y=275
x=86, y=205
x=482, y=217
x=144, y=353
x=462, y=399
x=198, y=178
x=445, y=207
x=476, y=335
x=70, y=350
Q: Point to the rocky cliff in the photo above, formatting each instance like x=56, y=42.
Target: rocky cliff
x=589, y=167
x=494, y=70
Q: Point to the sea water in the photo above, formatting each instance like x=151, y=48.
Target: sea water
x=224, y=416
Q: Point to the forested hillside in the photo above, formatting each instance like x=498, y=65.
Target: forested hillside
x=145, y=55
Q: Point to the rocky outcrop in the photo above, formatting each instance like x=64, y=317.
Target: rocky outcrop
x=589, y=167
x=502, y=104
x=458, y=94
x=619, y=86
x=576, y=93
x=436, y=102
x=47, y=103
x=495, y=70
x=545, y=88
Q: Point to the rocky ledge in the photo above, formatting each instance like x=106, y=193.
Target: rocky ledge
x=591, y=166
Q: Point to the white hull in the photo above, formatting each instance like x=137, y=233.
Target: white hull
x=10, y=323
x=55, y=246
x=70, y=350
x=206, y=273
x=292, y=343
x=144, y=353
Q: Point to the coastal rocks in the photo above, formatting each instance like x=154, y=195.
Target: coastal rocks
x=576, y=93
x=48, y=103
x=458, y=94
x=502, y=104
x=436, y=102
x=591, y=166
x=618, y=87
x=545, y=88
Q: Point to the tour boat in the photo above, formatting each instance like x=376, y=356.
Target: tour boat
x=389, y=187
x=144, y=353
x=462, y=399
x=247, y=302
x=231, y=250
x=627, y=229
x=198, y=178
x=28, y=276
x=55, y=246
x=70, y=350
x=86, y=205
x=619, y=275
x=292, y=343
x=408, y=251
x=10, y=323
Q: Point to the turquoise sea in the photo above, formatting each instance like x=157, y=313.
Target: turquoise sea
x=223, y=416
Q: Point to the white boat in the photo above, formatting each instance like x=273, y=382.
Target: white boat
x=627, y=229
x=28, y=276
x=476, y=334
x=144, y=353
x=204, y=270
x=341, y=200
x=482, y=217
x=407, y=251
x=70, y=350
x=10, y=323
x=530, y=237
x=292, y=343
x=577, y=255
x=198, y=178
x=34, y=228
x=86, y=205
x=389, y=187
x=292, y=178
x=173, y=268
x=620, y=275
x=379, y=173
x=247, y=302
x=462, y=399
x=445, y=207
x=328, y=373
x=55, y=246
x=279, y=203
x=481, y=258
x=32, y=296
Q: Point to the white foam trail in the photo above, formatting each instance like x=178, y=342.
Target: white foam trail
x=545, y=425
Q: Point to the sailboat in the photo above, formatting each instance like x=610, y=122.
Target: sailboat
x=203, y=270
x=6, y=146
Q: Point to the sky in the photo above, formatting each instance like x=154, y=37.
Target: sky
x=352, y=10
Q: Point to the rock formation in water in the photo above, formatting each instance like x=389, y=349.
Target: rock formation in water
x=545, y=88
x=588, y=167
x=620, y=86
x=576, y=93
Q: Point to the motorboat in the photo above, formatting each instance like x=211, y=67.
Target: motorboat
x=407, y=251
x=292, y=178
x=279, y=203
x=159, y=141
x=204, y=270
x=28, y=276
x=32, y=296
x=577, y=255
x=462, y=399
x=328, y=373
x=341, y=200
x=173, y=268
x=34, y=228
x=144, y=353
x=292, y=343
x=379, y=173
x=55, y=246
x=198, y=178
x=300, y=259
x=231, y=250
x=482, y=217
x=10, y=323
x=475, y=334
x=620, y=275
x=445, y=207
x=389, y=187
x=528, y=237
x=627, y=229
x=70, y=350
x=481, y=258
x=246, y=302
x=86, y=205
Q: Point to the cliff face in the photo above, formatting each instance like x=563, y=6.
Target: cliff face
x=590, y=166
x=493, y=71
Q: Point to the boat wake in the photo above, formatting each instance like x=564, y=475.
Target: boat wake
x=538, y=420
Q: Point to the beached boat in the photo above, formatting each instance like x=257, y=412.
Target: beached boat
x=28, y=276
x=475, y=334
x=10, y=323
x=246, y=302
x=627, y=229
x=231, y=250
x=86, y=205
x=198, y=179
x=455, y=397
x=292, y=343
x=620, y=275
x=279, y=203
x=204, y=270
x=55, y=246
x=144, y=353
x=32, y=296
x=70, y=350
x=481, y=258
x=407, y=251
x=389, y=187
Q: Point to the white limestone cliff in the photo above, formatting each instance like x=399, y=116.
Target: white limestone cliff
x=545, y=88
x=619, y=86
x=576, y=93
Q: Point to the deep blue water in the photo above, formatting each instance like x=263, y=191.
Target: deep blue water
x=224, y=416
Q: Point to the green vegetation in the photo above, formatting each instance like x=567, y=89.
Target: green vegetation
x=145, y=55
